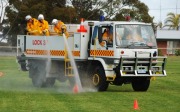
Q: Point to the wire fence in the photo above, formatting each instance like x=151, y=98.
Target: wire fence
x=8, y=51
x=169, y=51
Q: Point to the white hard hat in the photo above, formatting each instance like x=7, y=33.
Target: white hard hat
x=54, y=21
x=40, y=17
x=28, y=17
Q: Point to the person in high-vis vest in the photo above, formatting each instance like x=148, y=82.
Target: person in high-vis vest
x=43, y=25
x=60, y=27
x=32, y=27
x=107, y=36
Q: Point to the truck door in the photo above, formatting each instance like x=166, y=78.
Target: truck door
x=102, y=41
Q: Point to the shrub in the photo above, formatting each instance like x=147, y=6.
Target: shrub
x=160, y=52
x=177, y=52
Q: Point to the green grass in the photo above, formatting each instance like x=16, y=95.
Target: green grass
x=18, y=95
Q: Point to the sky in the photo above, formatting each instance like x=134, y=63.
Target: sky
x=160, y=8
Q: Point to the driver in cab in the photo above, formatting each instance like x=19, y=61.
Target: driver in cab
x=107, y=36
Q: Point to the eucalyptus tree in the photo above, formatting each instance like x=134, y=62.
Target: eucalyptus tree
x=18, y=9
x=112, y=9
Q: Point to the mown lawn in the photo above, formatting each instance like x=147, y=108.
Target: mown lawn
x=18, y=95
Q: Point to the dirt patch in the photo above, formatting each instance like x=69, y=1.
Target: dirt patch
x=1, y=74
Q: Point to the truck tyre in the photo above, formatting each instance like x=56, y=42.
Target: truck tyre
x=38, y=78
x=141, y=84
x=37, y=72
x=98, y=79
x=50, y=81
x=60, y=70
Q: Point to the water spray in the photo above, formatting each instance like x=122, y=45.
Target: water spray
x=48, y=63
x=77, y=87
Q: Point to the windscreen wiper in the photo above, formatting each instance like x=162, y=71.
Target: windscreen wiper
x=147, y=45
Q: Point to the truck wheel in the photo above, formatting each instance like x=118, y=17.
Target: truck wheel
x=50, y=81
x=98, y=79
x=38, y=80
x=140, y=84
x=37, y=73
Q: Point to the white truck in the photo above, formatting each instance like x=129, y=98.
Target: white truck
x=131, y=57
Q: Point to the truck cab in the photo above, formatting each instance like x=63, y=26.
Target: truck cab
x=125, y=38
x=129, y=56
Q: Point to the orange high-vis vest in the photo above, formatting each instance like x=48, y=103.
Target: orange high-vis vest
x=44, y=26
x=58, y=28
x=107, y=36
x=33, y=27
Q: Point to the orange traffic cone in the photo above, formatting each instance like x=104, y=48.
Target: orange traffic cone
x=82, y=29
x=75, y=88
x=136, y=107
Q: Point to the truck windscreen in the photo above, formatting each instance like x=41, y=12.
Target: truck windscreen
x=135, y=36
